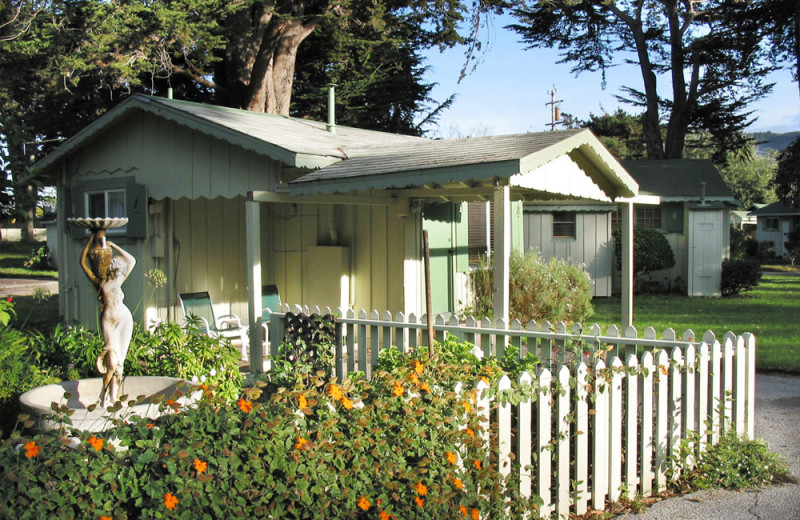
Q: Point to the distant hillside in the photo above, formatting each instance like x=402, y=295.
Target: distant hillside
x=773, y=141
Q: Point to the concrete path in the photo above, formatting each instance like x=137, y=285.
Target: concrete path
x=778, y=423
x=25, y=286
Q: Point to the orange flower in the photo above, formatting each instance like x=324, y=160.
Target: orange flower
x=414, y=378
x=397, y=390
x=200, y=466
x=475, y=515
x=459, y=483
x=426, y=387
x=418, y=367
x=485, y=379
x=106, y=518
x=363, y=503
x=347, y=403
x=420, y=501
x=150, y=426
x=96, y=443
x=477, y=464
x=302, y=402
x=170, y=501
x=171, y=403
x=664, y=369
x=463, y=510
x=245, y=406
x=300, y=443
x=467, y=407
x=31, y=449
x=451, y=457
x=470, y=433
x=422, y=489
x=335, y=392
x=385, y=515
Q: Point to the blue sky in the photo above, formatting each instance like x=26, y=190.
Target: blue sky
x=508, y=91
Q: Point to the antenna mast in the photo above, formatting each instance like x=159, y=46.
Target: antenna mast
x=555, y=110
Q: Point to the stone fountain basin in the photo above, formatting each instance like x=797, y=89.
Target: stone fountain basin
x=147, y=391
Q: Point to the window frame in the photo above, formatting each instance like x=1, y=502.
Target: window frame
x=87, y=195
x=568, y=219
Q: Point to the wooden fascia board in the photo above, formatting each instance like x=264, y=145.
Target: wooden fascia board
x=352, y=200
x=501, y=170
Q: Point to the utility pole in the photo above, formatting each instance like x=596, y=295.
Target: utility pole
x=555, y=110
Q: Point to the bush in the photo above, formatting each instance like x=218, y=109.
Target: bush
x=554, y=290
x=385, y=448
x=651, y=251
x=739, y=275
x=793, y=245
x=37, y=260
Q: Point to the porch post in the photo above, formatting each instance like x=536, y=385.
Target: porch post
x=626, y=217
x=412, y=276
x=254, y=310
x=502, y=250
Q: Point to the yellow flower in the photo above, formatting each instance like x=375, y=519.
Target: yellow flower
x=425, y=387
x=418, y=367
x=31, y=449
x=467, y=407
x=470, y=433
x=302, y=402
x=363, y=503
x=420, y=501
x=200, y=466
x=170, y=501
x=245, y=406
x=96, y=443
x=300, y=443
x=397, y=390
x=422, y=489
x=459, y=483
x=414, y=378
x=347, y=403
x=485, y=379
x=451, y=457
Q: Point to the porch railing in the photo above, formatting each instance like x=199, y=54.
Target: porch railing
x=613, y=410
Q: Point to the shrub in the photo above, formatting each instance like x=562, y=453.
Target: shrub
x=384, y=448
x=651, y=251
x=554, y=290
x=739, y=275
x=792, y=245
x=37, y=260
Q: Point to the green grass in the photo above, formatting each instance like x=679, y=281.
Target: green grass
x=12, y=259
x=771, y=311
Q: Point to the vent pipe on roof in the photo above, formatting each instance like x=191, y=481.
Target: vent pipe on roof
x=169, y=93
x=702, y=193
x=331, y=126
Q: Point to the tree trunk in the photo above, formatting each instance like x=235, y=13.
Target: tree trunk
x=650, y=120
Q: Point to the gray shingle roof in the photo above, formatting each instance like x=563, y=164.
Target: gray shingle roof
x=679, y=179
x=775, y=209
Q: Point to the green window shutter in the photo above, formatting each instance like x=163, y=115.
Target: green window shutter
x=136, y=209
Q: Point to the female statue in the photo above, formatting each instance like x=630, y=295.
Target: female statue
x=116, y=321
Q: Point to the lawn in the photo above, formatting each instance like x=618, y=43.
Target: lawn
x=771, y=312
x=12, y=259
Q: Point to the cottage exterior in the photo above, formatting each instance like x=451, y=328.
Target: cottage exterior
x=774, y=222
x=225, y=200
x=687, y=200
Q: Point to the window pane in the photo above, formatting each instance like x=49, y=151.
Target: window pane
x=116, y=203
x=96, y=205
x=564, y=224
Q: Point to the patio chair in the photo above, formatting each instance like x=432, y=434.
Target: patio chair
x=270, y=301
x=229, y=326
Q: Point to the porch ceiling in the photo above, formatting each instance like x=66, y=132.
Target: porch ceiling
x=544, y=166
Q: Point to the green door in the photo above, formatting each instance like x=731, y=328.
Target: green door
x=443, y=222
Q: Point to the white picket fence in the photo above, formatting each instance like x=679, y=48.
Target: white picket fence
x=578, y=445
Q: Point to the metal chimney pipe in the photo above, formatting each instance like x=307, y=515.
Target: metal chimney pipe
x=169, y=92
x=702, y=193
x=331, y=126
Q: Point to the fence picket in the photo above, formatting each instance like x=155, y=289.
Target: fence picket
x=486, y=341
x=400, y=340
x=504, y=430
x=469, y=336
x=689, y=402
x=662, y=420
x=524, y=440
x=702, y=393
x=750, y=345
x=386, y=340
x=581, y=439
x=727, y=382
x=615, y=431
x=543, y=437
x=563, y=406
x=646, y=436
x=716, y=388
x=675, y=404
x=599, y=439
x=739, y=387
x=631, y=423
x=413, y=333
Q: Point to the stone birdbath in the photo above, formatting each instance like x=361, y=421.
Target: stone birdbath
x=107, y=266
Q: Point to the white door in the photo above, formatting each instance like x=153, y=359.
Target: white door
x=706, y=250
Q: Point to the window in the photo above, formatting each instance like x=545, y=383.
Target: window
x=106, y=204
x=771, y=224
x=480, y=232
x=648, y=217
x=564, y=224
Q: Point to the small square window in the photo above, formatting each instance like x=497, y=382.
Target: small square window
x=564, y=224
x=648, y=217
x=771, y=224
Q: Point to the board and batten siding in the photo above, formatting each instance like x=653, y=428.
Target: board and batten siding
x=592, y=246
